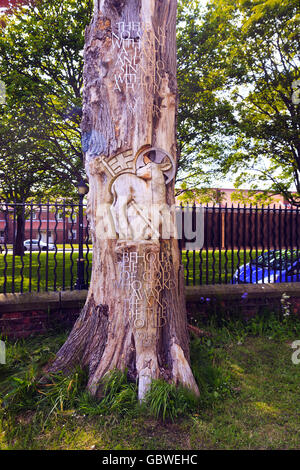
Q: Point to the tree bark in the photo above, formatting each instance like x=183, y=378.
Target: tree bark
x=135, y=316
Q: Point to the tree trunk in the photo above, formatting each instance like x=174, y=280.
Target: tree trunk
x=135, y=315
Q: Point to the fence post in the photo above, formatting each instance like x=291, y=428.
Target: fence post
x=80, y=281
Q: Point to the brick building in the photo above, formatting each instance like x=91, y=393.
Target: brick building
x=60, y=228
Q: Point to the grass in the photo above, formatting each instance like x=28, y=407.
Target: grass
x=59, y=246
x=213, y=269
x=65, y=267
x=249, y=397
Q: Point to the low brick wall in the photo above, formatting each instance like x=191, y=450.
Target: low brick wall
x=243, y=300
x=25, y=314
x=34, y=313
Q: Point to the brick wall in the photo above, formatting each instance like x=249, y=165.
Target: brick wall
x=242, y=301
x=23, y=324
x=33, y=313
x=22, y=315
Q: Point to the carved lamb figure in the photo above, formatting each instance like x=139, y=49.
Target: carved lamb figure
x=139, y=200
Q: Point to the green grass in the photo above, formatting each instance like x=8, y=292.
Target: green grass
x=213, y=266
x=249, y=397
x=47, y=265
x=211, y=261
x=59, y=246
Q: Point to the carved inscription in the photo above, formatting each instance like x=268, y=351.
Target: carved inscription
x=144, y=277
x=137, y=65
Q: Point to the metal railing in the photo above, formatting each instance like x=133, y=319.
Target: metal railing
x=44, y=247
x=47, y=246
x=246, y=245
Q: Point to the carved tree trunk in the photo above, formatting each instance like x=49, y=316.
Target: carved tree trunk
x=135, y=315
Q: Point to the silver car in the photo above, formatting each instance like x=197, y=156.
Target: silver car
x=37, y=245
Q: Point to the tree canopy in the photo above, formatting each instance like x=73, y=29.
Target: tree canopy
x=41, y=63
x=237, y=75
x=238, y=72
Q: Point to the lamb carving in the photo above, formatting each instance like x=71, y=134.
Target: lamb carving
x=139, y=201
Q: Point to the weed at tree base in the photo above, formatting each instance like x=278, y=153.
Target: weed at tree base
x=22, y=391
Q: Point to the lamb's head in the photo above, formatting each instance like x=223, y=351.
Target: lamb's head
x=153, y=170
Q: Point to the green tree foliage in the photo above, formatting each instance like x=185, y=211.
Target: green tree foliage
x=238, y=114
x=204, y=118
x=41, y=63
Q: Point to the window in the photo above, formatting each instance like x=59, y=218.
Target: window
x=74, y=234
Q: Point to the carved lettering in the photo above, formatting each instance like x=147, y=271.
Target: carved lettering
x=132, y=43
x=141, y=296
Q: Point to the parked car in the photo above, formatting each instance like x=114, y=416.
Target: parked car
x=267, y=268
x=37, y=245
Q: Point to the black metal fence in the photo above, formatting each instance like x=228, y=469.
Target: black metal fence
x=246, y=245
x=46, y=247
